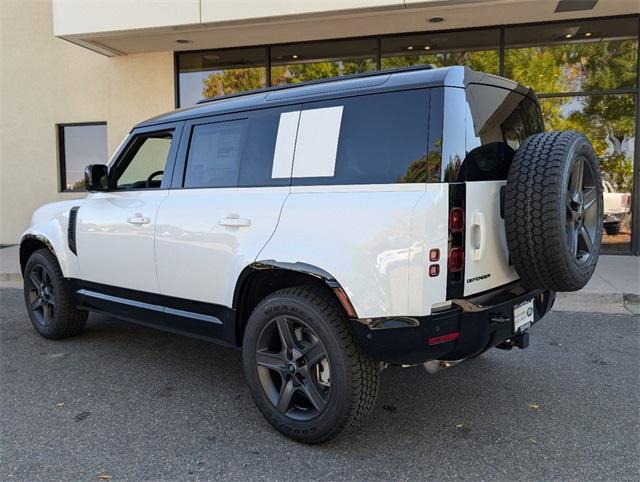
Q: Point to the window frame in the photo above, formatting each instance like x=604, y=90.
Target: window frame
x=62, y=156
x=124, y=155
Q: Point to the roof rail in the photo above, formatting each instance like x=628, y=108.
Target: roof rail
x=370, y=73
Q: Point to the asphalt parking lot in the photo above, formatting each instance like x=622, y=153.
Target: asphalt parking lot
x=127, y=402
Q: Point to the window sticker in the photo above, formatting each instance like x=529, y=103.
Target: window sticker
x=285, y=145
x=317, y=143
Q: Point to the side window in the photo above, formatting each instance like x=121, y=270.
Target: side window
x=144, y=162
x=253, y=151
x=214, y=154
x=370, y=139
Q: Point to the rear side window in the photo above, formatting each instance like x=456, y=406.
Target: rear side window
x=214, y=154
x=241, y=152
x=371, y=139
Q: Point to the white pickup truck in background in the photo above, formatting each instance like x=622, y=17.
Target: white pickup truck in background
x=616, y=206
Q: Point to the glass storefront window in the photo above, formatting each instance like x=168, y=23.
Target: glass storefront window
x=208, y=74
x=586, y=56
x=295, y=63
x=609, y=123
x=584, y=71
x=78, y=146
x=476, y=49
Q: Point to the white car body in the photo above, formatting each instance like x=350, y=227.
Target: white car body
x=372, y=241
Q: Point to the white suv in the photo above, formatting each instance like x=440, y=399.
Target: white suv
x=327, y=229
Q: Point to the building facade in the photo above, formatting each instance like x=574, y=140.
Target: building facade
x=76, y=75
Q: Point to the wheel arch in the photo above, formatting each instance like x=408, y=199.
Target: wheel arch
x=259, y=279
x=29, y=244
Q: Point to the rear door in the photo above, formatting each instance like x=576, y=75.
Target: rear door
x=233, y=174
x=497, y=120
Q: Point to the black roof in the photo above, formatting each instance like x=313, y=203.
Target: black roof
x=369, y=82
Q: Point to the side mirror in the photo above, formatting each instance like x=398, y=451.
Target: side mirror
x=96, y=177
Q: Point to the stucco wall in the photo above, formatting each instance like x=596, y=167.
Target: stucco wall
x=45, y=81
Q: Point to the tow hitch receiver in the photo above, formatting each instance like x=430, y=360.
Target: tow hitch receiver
x=520, y=340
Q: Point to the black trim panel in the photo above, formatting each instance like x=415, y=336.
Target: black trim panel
x=71, y=229
x=177, y=315
x=482, y=323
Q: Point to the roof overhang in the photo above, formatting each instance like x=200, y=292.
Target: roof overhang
x=119, y=27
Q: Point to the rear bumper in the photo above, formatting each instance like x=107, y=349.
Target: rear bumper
x=482, y=322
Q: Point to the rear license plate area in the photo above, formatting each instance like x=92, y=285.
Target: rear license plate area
x=523, y=316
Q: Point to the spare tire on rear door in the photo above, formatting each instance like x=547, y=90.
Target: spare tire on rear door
x=553, y=211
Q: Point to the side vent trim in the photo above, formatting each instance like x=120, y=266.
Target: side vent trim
x=71, y=230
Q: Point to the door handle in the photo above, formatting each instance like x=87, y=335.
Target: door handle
x=478, y=233
x=234, y=222
x=138, y=218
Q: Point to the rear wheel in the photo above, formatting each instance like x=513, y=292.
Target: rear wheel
x=49, y=303
x=305, y=371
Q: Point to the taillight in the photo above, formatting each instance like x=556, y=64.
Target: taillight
x=456, y=244
x=456, y=260
x=456, y=220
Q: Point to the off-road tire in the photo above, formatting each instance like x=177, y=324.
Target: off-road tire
x=537, y=213
x=66, y=320
x=354, y=377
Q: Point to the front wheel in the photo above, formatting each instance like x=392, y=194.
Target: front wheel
x=305, y=371
x=48, y=300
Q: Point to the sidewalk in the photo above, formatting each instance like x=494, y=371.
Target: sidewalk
x=614, y=288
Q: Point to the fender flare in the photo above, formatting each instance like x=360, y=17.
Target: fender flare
x=298, y=267
x=33, y=237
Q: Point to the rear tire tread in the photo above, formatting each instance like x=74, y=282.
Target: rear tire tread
x=532, y=209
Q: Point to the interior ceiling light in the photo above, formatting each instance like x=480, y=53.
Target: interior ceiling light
x=588, y=34
x=575, y=5
x=184, y=41
x=427, y=47
x=294, y=56
x=569, y=35
x=436, y=19
x=410, y=47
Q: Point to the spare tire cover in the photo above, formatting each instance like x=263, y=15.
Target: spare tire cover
x=553, y=211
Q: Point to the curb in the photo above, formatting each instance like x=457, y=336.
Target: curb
x=599, y=302
x=11, y=277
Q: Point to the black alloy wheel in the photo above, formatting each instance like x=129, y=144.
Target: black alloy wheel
x=41, y=294
x=582, y=211
x=293, y=368
x=305, y=370
x=48, y=297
